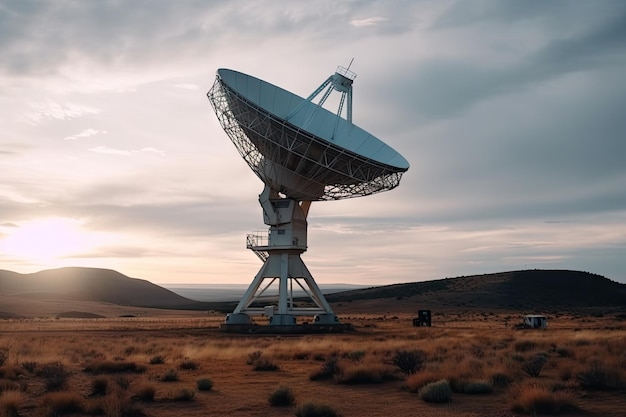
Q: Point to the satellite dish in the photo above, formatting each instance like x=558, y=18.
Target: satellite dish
x=302, y=152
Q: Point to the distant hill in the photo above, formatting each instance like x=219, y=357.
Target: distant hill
x=546, y=290
x=91, y=284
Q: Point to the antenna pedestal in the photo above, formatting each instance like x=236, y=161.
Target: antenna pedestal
x=283, y=271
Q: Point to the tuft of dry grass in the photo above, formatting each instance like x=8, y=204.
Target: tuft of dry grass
x=112, y=367
x=536, y=399
x=365, y=373
x=414, y=382
x=11, y=402
x=436, y=392
x=62, y=402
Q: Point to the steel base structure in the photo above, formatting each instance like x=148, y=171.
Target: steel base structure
x=283, y=269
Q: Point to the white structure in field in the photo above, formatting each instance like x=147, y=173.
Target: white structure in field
x=535, y=321
x=302, y=153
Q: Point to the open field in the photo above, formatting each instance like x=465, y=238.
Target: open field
x=183, y=366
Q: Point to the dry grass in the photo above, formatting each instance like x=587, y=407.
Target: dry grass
x=123, y=377
x=536, y=399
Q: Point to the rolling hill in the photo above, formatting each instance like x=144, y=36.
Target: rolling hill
x=90, y=284
x=546, y=290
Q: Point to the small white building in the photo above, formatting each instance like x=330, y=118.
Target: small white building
x=535, y=321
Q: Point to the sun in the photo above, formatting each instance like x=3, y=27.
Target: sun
x=45, y=240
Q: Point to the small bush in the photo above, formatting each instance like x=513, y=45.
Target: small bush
x=365, y=374
x=534, y=366
x=55, y=376
x=4, y=356
x=29, y=366
x=264, y=365
x=11, y=402
x=356, y=355
x=253, y=357
x=525, y=346
x=204, y=384
x=500, y=379
x=436, y=392
x=123, y=382
x=565, y=353
x=414, y=382
x=62, y=402
x=599, y=377
x=282, y=396
x=99, y=386
x=409, y=361
x=188, y=365
x=329, y=369
x=183, y=394
x=6, y=385
x=113, y=367
x=311, y=409
x=157, y=360
x=535, y=400
x=169, y=376
x=145, y=393
x=473, y=387
x=10, y=372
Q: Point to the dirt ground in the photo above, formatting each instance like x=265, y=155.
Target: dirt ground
x=240, y=390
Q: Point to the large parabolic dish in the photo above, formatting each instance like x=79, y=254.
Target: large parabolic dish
x=297, y=147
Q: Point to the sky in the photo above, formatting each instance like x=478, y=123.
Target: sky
x=511, y=115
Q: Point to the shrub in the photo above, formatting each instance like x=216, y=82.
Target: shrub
x=534, y=366
x=6, y=385
x=204, y=384
x=356, y=355
x=436, y=392
x=253, y=357
x=188, y=365
x=10, y=403
x=169, y=376
x=99, y=386
x=157, y=360
x=329, y=369
x=30, y=366
x=365, y=374
x=264, y=365
x=282, y=396
x=55, y=376
x=409, y=361
x=123, y=382
x=145, y=393
x=500, y=379
x=598, y=377
x=534, y=400
x=414, y=382
x=4, y=355
x=10, y=372
x=62, y=402
x=524, y=346
x=183, y=394
x=473, y=387
x=311, y=409
x=112, y=367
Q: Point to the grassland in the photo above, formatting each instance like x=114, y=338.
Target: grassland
x=468, y=364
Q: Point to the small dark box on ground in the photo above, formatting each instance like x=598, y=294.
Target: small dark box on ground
x=423, y=319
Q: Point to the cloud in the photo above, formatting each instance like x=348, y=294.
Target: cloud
x=188, y=86
x=368, y=21
x=125, y=152
x=85, y=134
x=53, y=110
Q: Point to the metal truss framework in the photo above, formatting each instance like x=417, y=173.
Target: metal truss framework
x=263, y=140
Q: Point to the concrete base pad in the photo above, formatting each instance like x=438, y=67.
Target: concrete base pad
x=292, y=329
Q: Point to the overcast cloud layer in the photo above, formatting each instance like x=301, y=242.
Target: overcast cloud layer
x=510, y=113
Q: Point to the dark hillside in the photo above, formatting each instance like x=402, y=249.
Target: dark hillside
x=531, y=289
